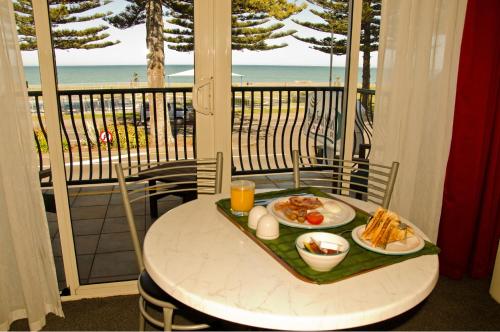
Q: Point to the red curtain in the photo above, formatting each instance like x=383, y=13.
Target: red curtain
x=470, y=218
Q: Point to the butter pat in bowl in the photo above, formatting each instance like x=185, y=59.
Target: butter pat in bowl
x=330, y=250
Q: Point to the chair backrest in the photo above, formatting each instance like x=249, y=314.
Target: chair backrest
x=374, y=182
x=203, y=176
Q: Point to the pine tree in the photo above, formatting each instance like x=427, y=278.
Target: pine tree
x=248, y=32
x=334, y=14
x=251, y=29
x=180, y=13
x=150, y=12
x=63, y=12
x=370, y=30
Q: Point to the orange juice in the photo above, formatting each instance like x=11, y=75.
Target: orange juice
x=242, y=196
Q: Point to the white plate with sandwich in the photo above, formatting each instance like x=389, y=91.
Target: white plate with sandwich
x=305, y=212
x=384, y=235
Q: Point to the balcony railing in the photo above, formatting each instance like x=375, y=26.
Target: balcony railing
x=363, y=130
x=100, y=127
x=270, y=122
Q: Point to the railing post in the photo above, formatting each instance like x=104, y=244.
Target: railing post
x=296, y=170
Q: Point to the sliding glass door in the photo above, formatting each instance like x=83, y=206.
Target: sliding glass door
x=90, y=129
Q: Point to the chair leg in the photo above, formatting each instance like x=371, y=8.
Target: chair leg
x=142, y=323
x=168, y=314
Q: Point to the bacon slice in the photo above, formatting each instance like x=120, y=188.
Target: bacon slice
x=296, y=207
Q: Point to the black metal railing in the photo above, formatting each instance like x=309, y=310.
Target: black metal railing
x=363, y=130
x=100, y=127
x=269, y=122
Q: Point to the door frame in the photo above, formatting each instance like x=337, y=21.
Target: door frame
x=212, y=91
x=212, y=88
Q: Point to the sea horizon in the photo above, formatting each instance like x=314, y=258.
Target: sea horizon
x=187, y=64
x=119, y=74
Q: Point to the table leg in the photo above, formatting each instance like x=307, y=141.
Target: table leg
x=153, y=201
x=189, y=196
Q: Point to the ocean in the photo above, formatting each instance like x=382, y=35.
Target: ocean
x=88, y=75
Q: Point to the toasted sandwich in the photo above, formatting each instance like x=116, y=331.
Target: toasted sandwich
x=384, y=228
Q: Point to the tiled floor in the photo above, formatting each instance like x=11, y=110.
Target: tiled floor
x=103, y=245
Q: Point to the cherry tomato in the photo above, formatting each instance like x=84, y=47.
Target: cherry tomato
x=314, y=218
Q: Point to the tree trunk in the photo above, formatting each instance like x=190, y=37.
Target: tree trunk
x=366, y=47
x=156, y=72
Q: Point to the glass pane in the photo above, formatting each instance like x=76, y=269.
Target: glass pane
x=40, y=138
x=109, y=114
x=289, y=94
x=370, y=28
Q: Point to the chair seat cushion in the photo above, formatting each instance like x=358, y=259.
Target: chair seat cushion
x=152, y=289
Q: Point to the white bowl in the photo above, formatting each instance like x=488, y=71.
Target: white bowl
x=318, y=262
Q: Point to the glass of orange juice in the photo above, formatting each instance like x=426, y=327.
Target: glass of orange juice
x=242, y=197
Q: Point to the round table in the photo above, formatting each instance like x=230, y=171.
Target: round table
x=199, y=257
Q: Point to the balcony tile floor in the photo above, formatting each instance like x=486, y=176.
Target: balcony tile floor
x=103, y=246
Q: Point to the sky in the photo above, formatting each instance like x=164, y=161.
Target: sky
x=132, y=48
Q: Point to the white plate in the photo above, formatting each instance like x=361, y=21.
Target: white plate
x=412, y=244
x=345, y=216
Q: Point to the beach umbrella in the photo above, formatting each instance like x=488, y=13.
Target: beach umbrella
x=190, y=72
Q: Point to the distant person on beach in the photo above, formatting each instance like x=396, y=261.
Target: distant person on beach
x=135, y=80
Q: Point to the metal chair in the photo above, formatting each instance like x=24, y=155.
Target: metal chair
x=178, y=178
x=358, y=178
x=202, y=176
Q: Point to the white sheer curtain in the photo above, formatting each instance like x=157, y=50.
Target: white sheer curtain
x=415, y=99
x=28, y=285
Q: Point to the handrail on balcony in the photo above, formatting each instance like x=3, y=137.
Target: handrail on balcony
x=103, y=126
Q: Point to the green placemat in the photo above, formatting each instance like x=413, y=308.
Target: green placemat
x=357, y=261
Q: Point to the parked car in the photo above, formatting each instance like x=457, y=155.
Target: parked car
x=177, y=117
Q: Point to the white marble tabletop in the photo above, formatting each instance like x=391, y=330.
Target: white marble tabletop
x=199, y=257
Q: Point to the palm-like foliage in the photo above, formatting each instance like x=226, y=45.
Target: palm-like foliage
x=334, y=15
x=251, y=27
x=63, y=12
